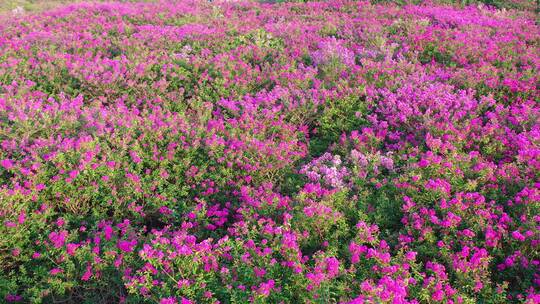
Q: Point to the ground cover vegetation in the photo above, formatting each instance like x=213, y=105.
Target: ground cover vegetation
x=245, y=152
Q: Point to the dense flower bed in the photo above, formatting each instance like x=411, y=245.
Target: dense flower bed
x=234, y=152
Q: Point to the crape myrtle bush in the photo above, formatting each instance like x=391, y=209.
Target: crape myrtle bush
x=235, y=152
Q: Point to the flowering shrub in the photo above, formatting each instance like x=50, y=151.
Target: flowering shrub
x=245, y=152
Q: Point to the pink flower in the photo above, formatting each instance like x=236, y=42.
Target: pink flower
x=182, y=283
x=410, y=255
x=108, y=231
x=135, y=157
x=438, y=295
x=127, y=246
x=259, y=272
x=169, y=300
x=88, y=273
x=7, y=164
x=266, y=287
x=73, y=174
x=55, y=271
x=22, y=217
x=478, y=285
x=58, y=238
x=165, y=210
x=71, y=248
x=332, y=266
x=60, y=222
x=518, y=236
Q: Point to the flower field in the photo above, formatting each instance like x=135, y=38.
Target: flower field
x=245, y=152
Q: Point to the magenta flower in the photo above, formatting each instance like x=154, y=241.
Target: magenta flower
x=518, y=236
x=135, y=157
x=169, y=300
x=87, y=274
x=266, y=287
x=108, y=231
x=71, y=248
x=7, y=164
x=55, y=271
x=58, y=238
x=127, y=246
x=332, y=266
x=186, y=301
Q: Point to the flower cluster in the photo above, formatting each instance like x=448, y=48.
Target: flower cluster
x=247, y=152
